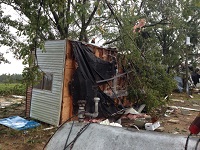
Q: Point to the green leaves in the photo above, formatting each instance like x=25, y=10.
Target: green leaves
x=31, y=75
x=2, y=59
x=153, y=57
x=149, y=51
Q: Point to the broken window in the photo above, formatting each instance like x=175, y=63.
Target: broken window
x=46, y=82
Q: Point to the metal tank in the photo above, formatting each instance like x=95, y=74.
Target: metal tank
x=95, y=136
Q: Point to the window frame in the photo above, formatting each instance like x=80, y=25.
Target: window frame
x=45, y=83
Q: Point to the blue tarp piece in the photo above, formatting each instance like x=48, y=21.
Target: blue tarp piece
x=18, y=123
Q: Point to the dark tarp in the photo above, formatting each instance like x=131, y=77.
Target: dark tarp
x=83, y=86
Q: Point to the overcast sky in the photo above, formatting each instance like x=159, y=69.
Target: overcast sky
x=14, y=67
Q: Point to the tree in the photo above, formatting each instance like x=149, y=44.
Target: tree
x=7, y=78
x=156, y=47
x=3, y=35
x=2, y=59
x=149, y=34
x=43, y=20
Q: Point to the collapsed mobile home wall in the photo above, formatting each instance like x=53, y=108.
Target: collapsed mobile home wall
x=46, y=103
x=61, y=61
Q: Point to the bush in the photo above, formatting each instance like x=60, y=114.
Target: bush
x=19, y=89
x=149, y=84
x=12, y=89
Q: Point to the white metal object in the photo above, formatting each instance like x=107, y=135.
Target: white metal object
x=187, y=40
x=103, y=137
x=152, y=126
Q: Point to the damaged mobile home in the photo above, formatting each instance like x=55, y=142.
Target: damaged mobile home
x=74, y=71
x=75, y=75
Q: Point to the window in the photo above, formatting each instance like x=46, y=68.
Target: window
x=46, y=82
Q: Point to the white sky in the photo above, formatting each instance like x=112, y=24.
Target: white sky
x=14, y=67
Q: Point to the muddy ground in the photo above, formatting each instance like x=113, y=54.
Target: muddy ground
x=35, y=139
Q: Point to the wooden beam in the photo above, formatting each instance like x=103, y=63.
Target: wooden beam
x=67, y=105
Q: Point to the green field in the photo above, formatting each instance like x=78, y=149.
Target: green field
x=12, y=89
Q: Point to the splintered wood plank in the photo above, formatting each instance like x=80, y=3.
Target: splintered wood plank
x=69, y=69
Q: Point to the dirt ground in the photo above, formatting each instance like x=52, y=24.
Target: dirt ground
x=35, y=139
x=184, y=117
x=175, y=120
x=31, y=139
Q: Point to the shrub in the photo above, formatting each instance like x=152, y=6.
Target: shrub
x=12, y=89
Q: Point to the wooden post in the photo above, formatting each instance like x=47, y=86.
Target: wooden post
x=67, y=105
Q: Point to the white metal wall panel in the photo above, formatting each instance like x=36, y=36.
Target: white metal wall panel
x=46, y=105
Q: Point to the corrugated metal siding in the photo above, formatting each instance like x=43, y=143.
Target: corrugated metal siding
x=46, y=105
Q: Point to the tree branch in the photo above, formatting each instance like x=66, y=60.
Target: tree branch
x=112, y=41
x=92, y=14
x=154, y=24
x=66, y=28
x=140, y=7
x=56, y=18
x=111, y=10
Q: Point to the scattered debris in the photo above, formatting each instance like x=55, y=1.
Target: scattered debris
x=166, y=115
x=192, y=109
x=166, y=97
x=160, y=129
x=177, y=100
x=7, y=101
x=135, y=127
x=196, y=90
x=4, y=104
x=134, y=116
x=131, y=111
x=173, y=107
x=176, y=132
x=185, y=108
x=140, y=109
x=191, y=96
x=183, y=130
x=140, y=122
x=185, y=112
x=169, y=111
x=107, y=122
x=195, y=105
x=48, y=128
x=152, y=126
x=173, y=121
x=17, y=96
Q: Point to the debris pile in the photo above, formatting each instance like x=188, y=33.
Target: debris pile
x=7, y=101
